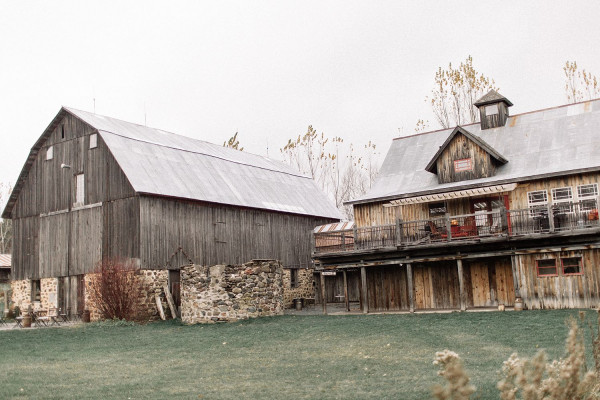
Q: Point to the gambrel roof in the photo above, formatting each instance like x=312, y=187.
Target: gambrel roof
x=161, y=163
x=551, y=142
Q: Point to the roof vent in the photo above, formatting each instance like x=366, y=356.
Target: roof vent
x=493, y=110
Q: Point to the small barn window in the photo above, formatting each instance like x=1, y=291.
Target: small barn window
x=547, y=267
x=464, y=164
x=437, y=209
x=49, y=153
x=79, y=189
x=492, y=109
x=562, y=199
x=294, y=277
x=571, y=266
x=35, y=290
x=93, y=140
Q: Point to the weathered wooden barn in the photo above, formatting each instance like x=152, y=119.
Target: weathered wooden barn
x=480, y=215
x=95, y=187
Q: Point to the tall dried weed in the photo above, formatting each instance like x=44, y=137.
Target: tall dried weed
x=535, y=379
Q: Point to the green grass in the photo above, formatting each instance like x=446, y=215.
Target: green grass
x=288, y=357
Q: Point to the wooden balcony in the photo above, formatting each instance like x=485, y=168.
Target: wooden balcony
x=563, y=218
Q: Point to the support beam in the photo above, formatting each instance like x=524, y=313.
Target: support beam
x=461, y=286
x=513, y=262
x=346, y=291
x=411, y=295
x=363, y=287
x=323, y=297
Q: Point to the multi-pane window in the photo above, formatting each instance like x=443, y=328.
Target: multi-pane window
x=464, y=164
x=571, y=266
x=537, y=201
x=49, y=153
x=93, y=140
x=35, y=290
x=437, y=209
x=547, y=267
x=562, y=198
x=79, y=189
x=587, y=196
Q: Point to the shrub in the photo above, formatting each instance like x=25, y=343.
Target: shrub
x=535, y=379
x=115, y=290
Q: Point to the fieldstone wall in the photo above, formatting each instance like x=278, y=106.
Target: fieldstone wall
x=305, y=287
x=21, y=293
x=151, y=282
x=231, y=292
x=48, y=293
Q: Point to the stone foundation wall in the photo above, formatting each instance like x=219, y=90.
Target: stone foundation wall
x=48, y=293
x=304, y=289
x=21, y=293
x=231, y=292
x=151, y=282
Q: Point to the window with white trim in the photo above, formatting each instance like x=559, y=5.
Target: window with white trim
x=537, y=201
x=93, y=140
x=49, y=153
x=562, y=199
x=587, y=196
x=79, y=189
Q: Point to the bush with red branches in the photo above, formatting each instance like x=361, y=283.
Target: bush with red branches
x=115, y=290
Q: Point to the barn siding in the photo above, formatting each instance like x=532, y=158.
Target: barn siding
x=562, y=291
x=215, y=234
x=460, y=148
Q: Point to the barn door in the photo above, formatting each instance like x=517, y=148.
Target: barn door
x=175, y=287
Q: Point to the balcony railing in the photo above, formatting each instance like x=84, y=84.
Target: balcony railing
x=556, y=218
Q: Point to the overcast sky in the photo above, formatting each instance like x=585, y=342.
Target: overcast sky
x=359, y=70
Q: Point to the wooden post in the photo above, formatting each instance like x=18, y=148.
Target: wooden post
x=346, y=291
x=411, y=296
x=363, y=286
x=161, y=312
x=399, y=232
x=550, y=218
x=461, y=286
x=343, y=241
x=513, y=261
x=323, y=298
x=355, y=235
x=448, y=228
x=170, y=301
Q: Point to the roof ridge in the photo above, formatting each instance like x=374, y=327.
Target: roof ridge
x=298, y=174
x=510, y=116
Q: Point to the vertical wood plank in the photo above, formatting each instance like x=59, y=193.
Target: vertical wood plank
x=346, y=299
x=461, y=286
x=411, y=298
x=323, y=294
x=364, y=289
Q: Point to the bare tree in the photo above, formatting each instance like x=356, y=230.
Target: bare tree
x=233, y=143
x=580, y=85
x=5, y=224
x=335, y=165
x=455, y=92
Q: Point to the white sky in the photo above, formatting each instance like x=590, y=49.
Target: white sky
x=359, y=70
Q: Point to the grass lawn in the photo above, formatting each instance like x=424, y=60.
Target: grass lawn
x=288, y=357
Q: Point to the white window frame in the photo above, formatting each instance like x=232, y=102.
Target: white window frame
x=79, y=190
x=49, y=153
x=588, y=197
x=93, y=140
x=536, y=204
x=560, y=196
